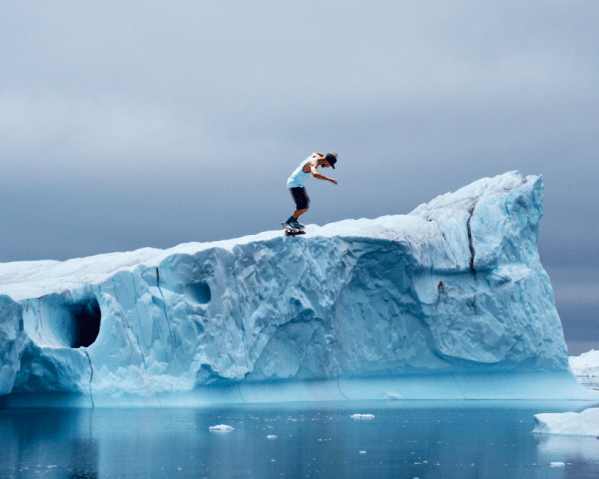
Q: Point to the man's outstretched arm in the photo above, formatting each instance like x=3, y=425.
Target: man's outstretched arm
x=318, y=175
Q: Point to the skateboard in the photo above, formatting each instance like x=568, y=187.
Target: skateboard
x=294, y=233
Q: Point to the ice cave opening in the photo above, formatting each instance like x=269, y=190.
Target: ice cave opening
x=198, y=292
x=86, y=318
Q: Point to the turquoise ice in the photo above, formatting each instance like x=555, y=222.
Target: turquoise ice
x=448, y=302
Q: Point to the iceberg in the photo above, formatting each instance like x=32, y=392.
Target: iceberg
x=448, y=302
x=586, y=369
x=585, y=423
x=586, y=365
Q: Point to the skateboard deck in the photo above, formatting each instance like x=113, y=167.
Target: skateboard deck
x=294, y=233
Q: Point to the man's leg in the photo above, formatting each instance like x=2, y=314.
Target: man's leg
x=297, y=213
x=302, y=203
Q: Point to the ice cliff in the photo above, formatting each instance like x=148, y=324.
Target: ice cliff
x=451, y=289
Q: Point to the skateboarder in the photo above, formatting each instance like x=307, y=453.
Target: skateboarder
x=296, y=182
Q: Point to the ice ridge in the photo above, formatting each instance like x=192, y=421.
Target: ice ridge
x=454, y=287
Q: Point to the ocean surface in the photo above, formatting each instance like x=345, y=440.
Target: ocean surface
x=404, y=439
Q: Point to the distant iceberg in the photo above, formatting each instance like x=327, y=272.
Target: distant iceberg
x=448, y=302
x=586, y=365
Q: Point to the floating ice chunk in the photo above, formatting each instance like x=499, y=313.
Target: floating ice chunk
x=557, y=464
x=585, y=423
x=362, y=452
x=272, y=436
x=221, y=428
x=362, y=416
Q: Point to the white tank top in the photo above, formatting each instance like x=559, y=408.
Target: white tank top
x=298, y=177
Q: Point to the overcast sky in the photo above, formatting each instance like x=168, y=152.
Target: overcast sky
x=144, y=123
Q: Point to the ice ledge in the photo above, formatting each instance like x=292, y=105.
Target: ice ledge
x=539, y=386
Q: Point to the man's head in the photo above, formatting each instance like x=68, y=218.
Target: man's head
x=331, y=159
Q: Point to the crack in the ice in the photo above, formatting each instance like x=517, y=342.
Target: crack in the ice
x=339, y=389
x=164, y=307
x=445, y=239
x=458, y=384
x=143, y=358
x=239, y=391
x=40, y=325
x=472, y=252
x=91, y=376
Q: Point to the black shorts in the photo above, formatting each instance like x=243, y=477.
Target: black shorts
x=302, y=201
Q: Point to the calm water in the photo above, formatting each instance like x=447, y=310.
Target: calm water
x=404, y=440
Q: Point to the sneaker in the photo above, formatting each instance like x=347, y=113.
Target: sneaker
x=290, y=226
x=298, y=225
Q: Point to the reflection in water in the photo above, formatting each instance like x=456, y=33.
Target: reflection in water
x=581, y=453
x=405, y=439
x=55, y=443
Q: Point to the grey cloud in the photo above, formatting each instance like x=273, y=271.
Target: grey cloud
x=136, y=124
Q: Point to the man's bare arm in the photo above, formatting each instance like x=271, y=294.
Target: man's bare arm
x=318, y=175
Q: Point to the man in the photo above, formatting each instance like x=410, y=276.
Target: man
x=296, y=182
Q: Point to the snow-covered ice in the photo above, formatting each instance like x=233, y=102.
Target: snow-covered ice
x=586, y=365
x=362, y=416
x=272, y=436
x=449, y=301
x=585, y=423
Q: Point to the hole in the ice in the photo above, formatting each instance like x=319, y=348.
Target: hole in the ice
x=86, y=323
x=198, y=292
x=70, y=320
